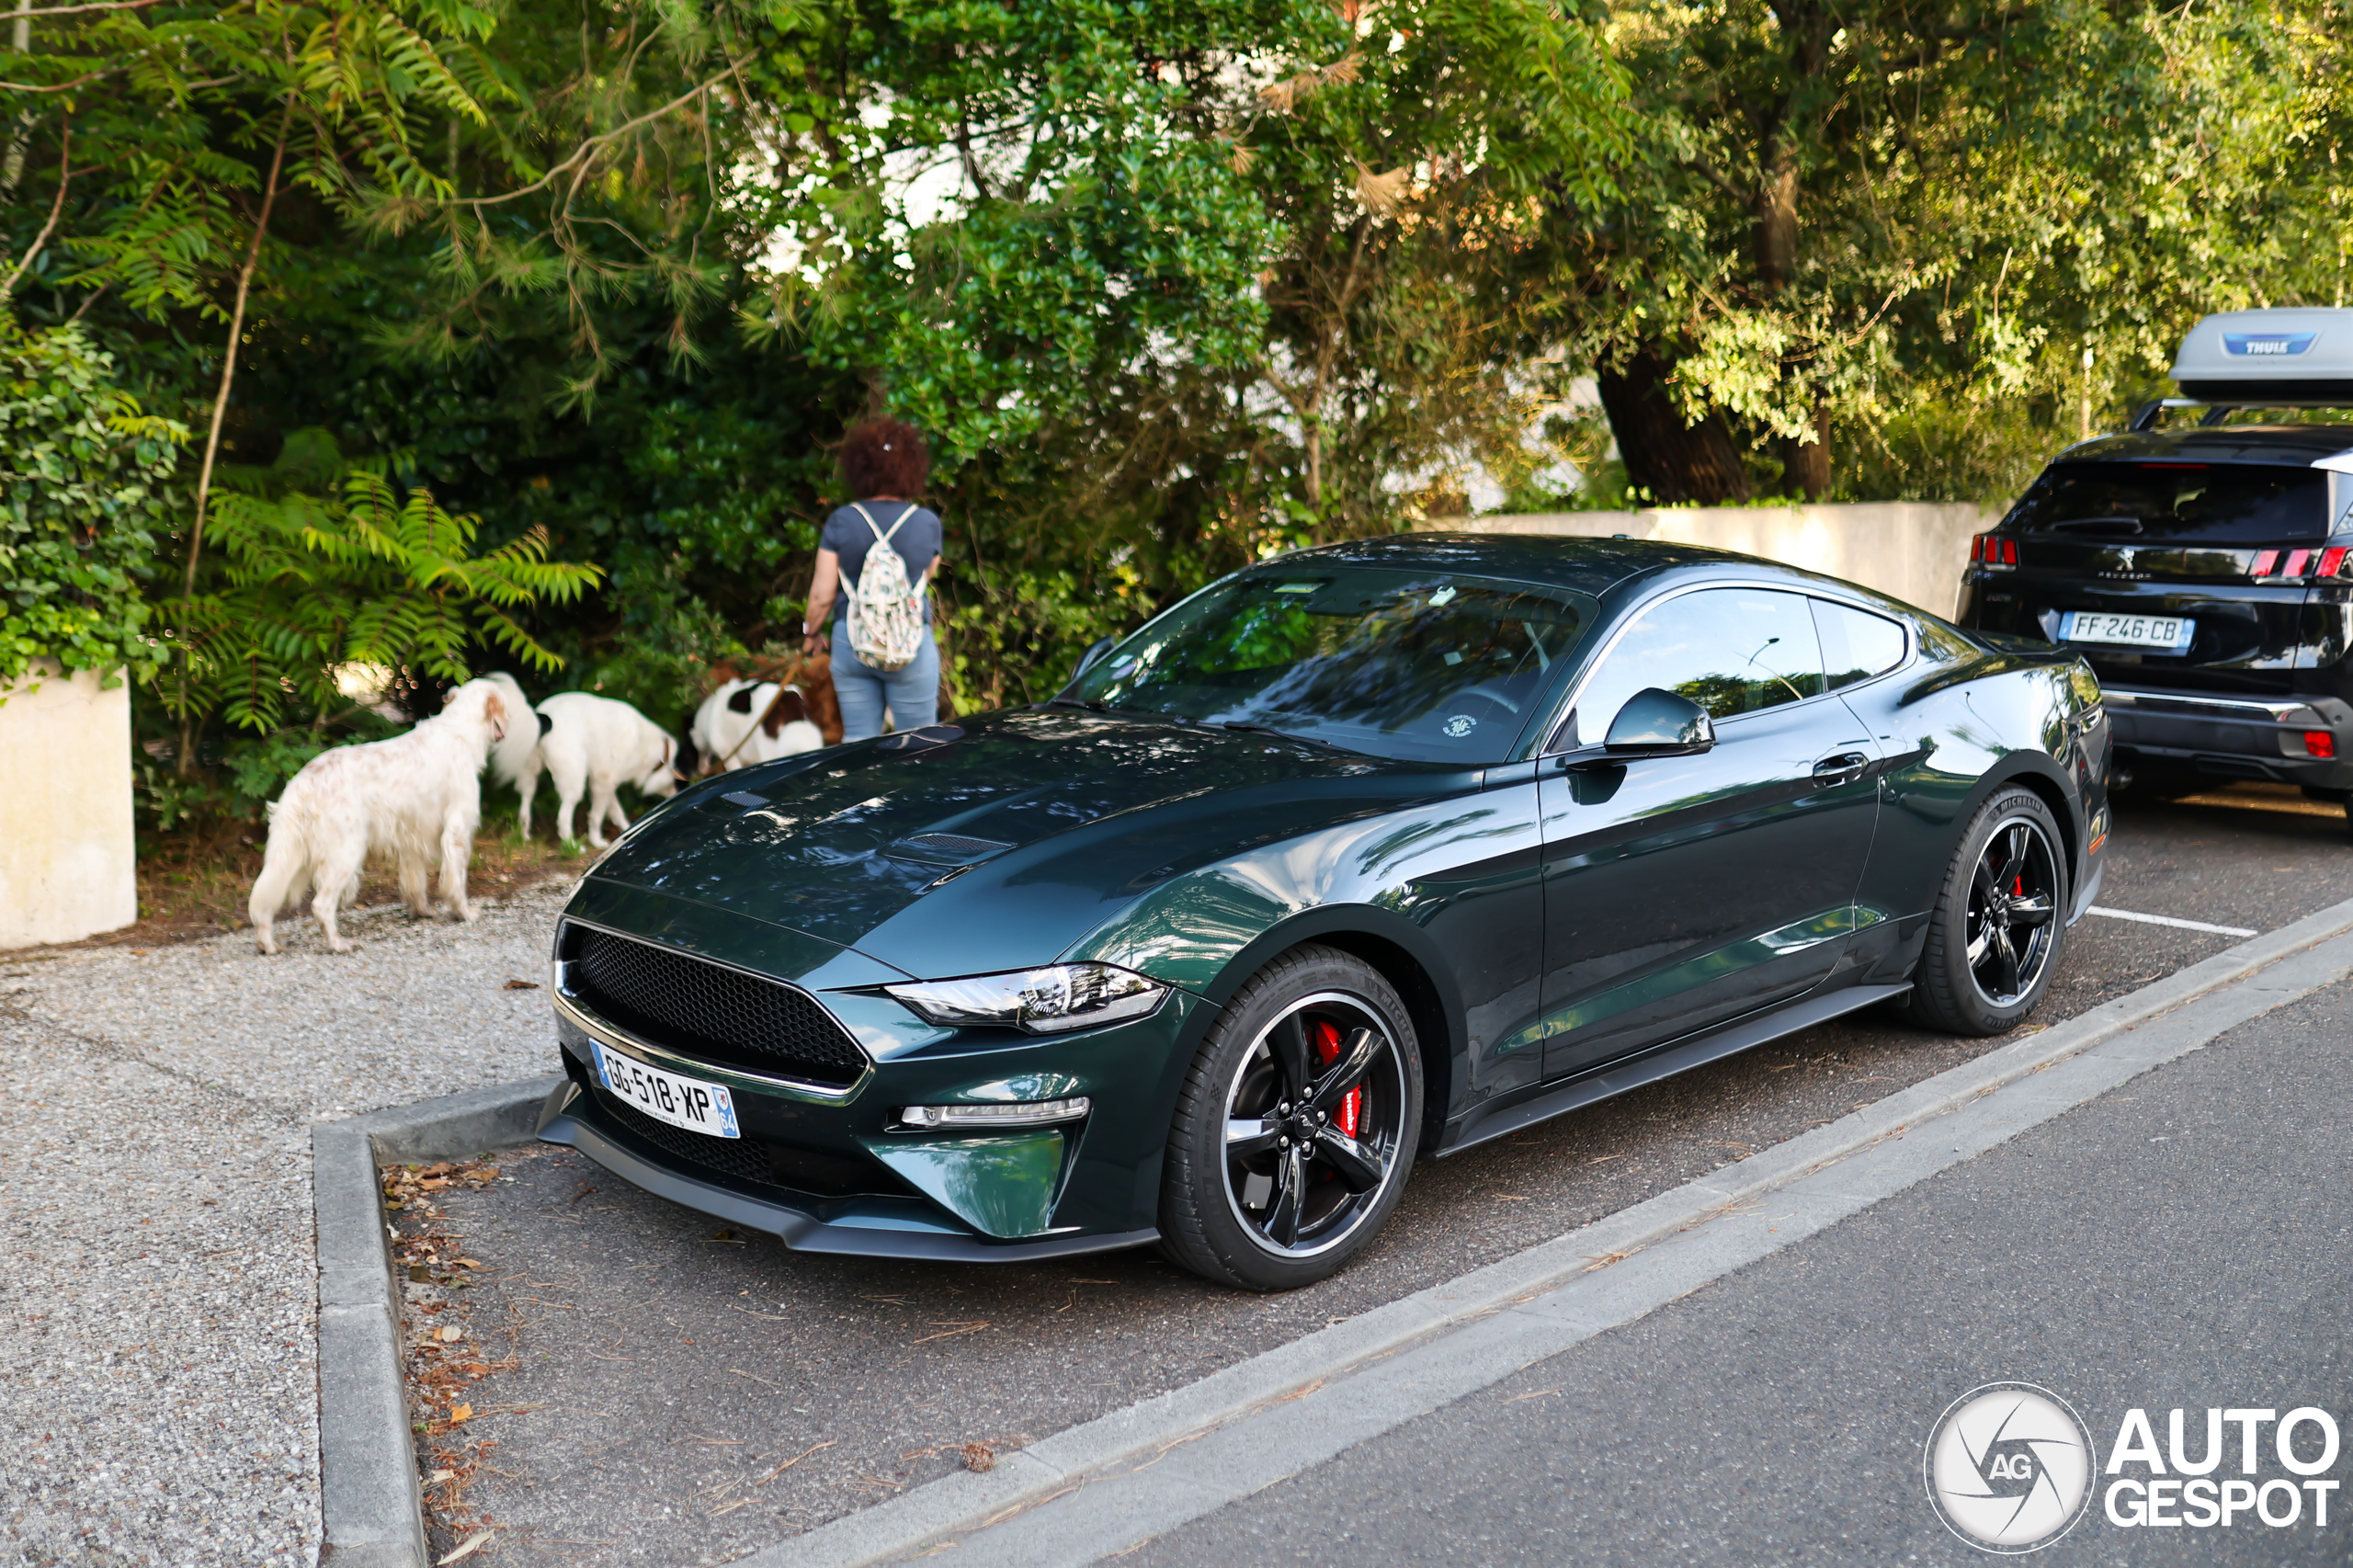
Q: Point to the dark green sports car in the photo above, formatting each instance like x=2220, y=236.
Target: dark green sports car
x=1376, y=850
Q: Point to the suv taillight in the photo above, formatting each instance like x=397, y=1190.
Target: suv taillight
x=2327, y=562
x=1993, y=549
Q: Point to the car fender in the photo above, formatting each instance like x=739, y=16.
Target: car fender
x=2039, y=698
x=1353, y=886
x=1383, y=939
x=1950, y=741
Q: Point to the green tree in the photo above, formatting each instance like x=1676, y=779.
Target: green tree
x=1883, y=238
x=1174, y=285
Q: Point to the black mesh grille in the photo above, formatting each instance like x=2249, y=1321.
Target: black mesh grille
x=738, y=1157
x=704, y=1010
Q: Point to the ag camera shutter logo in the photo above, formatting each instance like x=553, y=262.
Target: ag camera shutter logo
x=2008, y=1468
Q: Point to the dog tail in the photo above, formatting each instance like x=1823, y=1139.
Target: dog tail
x=284, y=874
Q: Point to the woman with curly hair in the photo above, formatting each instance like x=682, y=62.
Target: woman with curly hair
x=885, y=463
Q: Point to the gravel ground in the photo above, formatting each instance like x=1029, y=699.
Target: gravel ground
x=159, y=1370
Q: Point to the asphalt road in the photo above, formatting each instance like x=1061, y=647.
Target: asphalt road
x=663, y=1370
x=2182, y=1243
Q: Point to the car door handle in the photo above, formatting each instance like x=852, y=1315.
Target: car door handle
x=1842, y=762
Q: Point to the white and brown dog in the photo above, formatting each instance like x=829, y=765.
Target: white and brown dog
x=410, y=796
x=594, y=744
x=748, y=721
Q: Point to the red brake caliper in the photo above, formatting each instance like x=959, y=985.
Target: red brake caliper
x=1327, y=1050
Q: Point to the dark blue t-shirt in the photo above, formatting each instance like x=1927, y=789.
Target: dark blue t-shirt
x=847, y=535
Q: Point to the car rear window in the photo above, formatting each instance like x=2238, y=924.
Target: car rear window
x=2207, y=503
x=1856, y=644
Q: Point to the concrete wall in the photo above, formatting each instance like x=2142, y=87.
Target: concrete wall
x=1914, y=551
x=66, y=866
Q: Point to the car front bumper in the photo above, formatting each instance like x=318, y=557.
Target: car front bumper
x=858, y=1227
x=837, y=1173
x=2233, y=737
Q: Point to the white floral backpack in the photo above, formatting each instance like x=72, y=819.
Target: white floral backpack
x=886, y=610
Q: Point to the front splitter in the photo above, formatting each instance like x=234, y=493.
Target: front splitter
x=801, y=1231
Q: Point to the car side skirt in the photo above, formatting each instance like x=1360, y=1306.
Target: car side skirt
x=2090, y=890
x=798, y=1231
x=1666, y=1060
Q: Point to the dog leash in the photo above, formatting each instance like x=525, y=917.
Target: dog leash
x=757, y=724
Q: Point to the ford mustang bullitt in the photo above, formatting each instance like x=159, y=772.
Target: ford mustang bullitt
x=1362, y=855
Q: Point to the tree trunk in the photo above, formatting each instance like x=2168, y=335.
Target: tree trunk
x=182, y=759
x=1680, y=464
x=1805, y=465
x=1776, y=225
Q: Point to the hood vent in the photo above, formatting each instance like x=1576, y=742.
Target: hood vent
x=948, y=848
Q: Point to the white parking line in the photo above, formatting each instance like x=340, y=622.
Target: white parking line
x=2169, y=920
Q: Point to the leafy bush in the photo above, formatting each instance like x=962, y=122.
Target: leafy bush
x=317, y=589
x=83, y=489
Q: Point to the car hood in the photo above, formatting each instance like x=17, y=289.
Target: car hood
x=1003, y=846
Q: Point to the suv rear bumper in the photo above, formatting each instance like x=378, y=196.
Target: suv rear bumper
x=2233, y=737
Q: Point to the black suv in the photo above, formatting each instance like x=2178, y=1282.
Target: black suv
x=2203, y=574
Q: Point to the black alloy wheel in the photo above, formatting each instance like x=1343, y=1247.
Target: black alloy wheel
x=1998, y=928
x=2013, y=904
x=1296, y=1128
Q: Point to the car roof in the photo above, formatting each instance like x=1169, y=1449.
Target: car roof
x=2292, y=444
x=1582, y=564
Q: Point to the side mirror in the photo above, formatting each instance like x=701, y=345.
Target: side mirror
x=1660, y=724
x=1094, y=651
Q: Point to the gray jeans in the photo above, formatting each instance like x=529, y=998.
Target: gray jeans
x=912, y=695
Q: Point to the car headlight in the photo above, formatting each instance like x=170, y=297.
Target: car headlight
x=1043, y=1001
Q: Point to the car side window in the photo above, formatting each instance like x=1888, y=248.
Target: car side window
x=1856, y=644
x=1731, y=651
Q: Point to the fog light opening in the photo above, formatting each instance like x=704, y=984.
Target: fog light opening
x=2320, y=743
x=1019, y=1113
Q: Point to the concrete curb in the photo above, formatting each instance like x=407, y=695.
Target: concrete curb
x=372, y=1512
x=1032, y=1475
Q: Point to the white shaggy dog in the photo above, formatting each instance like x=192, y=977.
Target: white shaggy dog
x=409, y=797
x=594, y=744
x=748, y=721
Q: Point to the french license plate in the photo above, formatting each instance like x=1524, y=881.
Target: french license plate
x=2169, y=633
x=669, y=1096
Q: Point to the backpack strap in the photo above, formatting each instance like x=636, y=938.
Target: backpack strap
x=880, y=537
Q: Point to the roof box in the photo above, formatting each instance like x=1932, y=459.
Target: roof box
x=2258, y=357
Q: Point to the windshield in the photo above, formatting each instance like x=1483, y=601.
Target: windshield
x=1418, y=666
x=2207, y=503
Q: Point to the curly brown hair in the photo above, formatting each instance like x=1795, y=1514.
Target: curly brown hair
x=885, y=456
